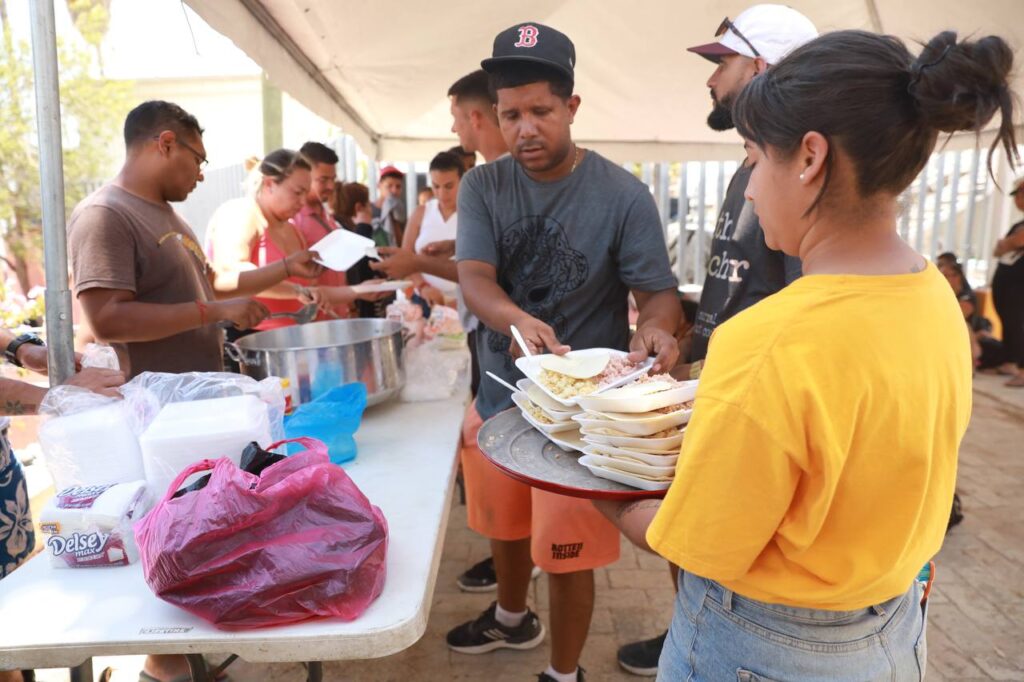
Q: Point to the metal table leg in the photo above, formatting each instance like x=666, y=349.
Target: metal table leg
x=82, y=673
x=314, y=671
x=198, y=668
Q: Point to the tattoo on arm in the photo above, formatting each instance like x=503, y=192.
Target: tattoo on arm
x=15, y=408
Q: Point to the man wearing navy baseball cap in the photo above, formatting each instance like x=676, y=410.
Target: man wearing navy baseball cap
x=741, y=269
x=552, y=239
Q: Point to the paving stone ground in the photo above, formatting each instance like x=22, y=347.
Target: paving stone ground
x=976, y=621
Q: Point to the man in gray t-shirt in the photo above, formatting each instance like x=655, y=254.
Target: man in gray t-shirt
x=552, y=239
x=566, y=252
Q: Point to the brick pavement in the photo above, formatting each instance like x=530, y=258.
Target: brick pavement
x=976, y=623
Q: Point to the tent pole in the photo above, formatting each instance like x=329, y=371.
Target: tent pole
x=59, y=332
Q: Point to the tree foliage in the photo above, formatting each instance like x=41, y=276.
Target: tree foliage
x=92, y=110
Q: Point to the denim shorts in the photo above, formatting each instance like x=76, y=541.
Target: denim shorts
x=719, y=636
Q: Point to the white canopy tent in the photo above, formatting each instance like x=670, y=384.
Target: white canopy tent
x=381, y=70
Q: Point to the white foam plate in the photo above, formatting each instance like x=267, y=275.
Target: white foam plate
x=522, y=401
x=600, y=402
x=622, y=477
x=629, y=466
x=652, y=458
x=532, y=369
x=567, y=440
x=342, y=249
x=381, y=287
x=633, y=442
x=562, y=414
x=647, y=426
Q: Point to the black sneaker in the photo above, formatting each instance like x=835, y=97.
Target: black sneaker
x=487, y=634
x=482, y=578
x=641, y=658
x=479, y=578
x=544, y=677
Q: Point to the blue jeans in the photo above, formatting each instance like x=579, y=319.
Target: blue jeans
x=719, y=636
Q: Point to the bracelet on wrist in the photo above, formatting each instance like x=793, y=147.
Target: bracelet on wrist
x=202, y=312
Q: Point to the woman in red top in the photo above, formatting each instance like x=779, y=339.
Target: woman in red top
x=254, y=230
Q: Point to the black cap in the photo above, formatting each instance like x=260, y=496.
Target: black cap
x=533, y=42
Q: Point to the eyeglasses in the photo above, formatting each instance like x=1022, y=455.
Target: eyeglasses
x=201, y=160
x=727, y=25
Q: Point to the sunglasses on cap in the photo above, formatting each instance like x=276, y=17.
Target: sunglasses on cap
x=727, y=25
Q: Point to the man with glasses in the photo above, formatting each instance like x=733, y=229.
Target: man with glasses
x=741, y=269
x=142, y=278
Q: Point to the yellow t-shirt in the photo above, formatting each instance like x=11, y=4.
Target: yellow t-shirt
x=818, y=468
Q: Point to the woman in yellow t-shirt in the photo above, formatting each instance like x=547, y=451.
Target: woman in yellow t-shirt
x=817, y=473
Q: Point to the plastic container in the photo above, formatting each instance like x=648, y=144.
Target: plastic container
x=187, y=432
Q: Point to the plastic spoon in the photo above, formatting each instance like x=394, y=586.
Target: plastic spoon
x=521, y=341
x=503, y=382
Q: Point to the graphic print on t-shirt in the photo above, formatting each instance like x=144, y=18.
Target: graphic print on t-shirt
x=538, y=269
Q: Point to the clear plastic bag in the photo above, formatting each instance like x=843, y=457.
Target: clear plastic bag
x=87, y=439
x=432, y=373
x=147, y=393
x=299, y=541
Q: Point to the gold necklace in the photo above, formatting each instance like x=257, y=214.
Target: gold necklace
x=575, y=160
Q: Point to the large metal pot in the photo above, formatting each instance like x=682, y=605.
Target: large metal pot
x=318, y=356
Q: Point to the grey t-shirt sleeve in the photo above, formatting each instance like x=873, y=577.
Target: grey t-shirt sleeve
x=474, y=239
x=643, y=258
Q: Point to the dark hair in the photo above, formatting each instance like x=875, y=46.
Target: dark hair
x=319, y=153
x=869, y=96
x=281, y=163
x=948, y=256
x=446, y=161
x=473, y=86
x=516, y=74
x=346, y=196
x=155, y=116
x=458, y=150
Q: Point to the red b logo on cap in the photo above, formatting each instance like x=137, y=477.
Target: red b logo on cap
x=527, y=36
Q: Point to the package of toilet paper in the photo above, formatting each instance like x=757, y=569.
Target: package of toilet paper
x=87, y=526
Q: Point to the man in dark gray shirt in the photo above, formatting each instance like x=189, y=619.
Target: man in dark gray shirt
x=552, y=239
x=741, y=269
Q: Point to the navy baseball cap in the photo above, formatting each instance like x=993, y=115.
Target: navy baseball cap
x=533, y=42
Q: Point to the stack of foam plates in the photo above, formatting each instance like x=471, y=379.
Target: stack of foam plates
x=550, y=417
x=633, y=433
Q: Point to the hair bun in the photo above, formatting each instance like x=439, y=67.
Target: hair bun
x=961, y=85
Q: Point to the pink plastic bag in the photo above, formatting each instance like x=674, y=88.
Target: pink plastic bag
x=299, y=541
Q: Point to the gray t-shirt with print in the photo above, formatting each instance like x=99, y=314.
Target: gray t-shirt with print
x=567, y=252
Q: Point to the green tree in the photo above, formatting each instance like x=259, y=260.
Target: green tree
x=92, y=109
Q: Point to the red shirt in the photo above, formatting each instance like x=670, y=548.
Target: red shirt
x=314, y=224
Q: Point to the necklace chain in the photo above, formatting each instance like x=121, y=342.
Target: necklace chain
x=575, y=160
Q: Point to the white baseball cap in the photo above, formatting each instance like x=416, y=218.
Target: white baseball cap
x=768, y=31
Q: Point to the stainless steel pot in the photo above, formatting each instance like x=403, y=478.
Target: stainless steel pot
x=318, y=356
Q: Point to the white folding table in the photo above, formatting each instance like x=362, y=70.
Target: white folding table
x=406, y=466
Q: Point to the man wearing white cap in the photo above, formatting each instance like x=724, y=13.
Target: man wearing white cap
x=741, y=269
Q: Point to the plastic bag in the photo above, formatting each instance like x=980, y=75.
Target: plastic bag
x=434, y=374
x=87, y=439
x=300, y=541
x=147, y=393
x=333, y=418
x=101, y=356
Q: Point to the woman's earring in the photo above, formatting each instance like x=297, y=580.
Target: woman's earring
x=801, y=176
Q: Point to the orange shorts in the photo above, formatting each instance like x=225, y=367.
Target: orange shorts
x=566, y=533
